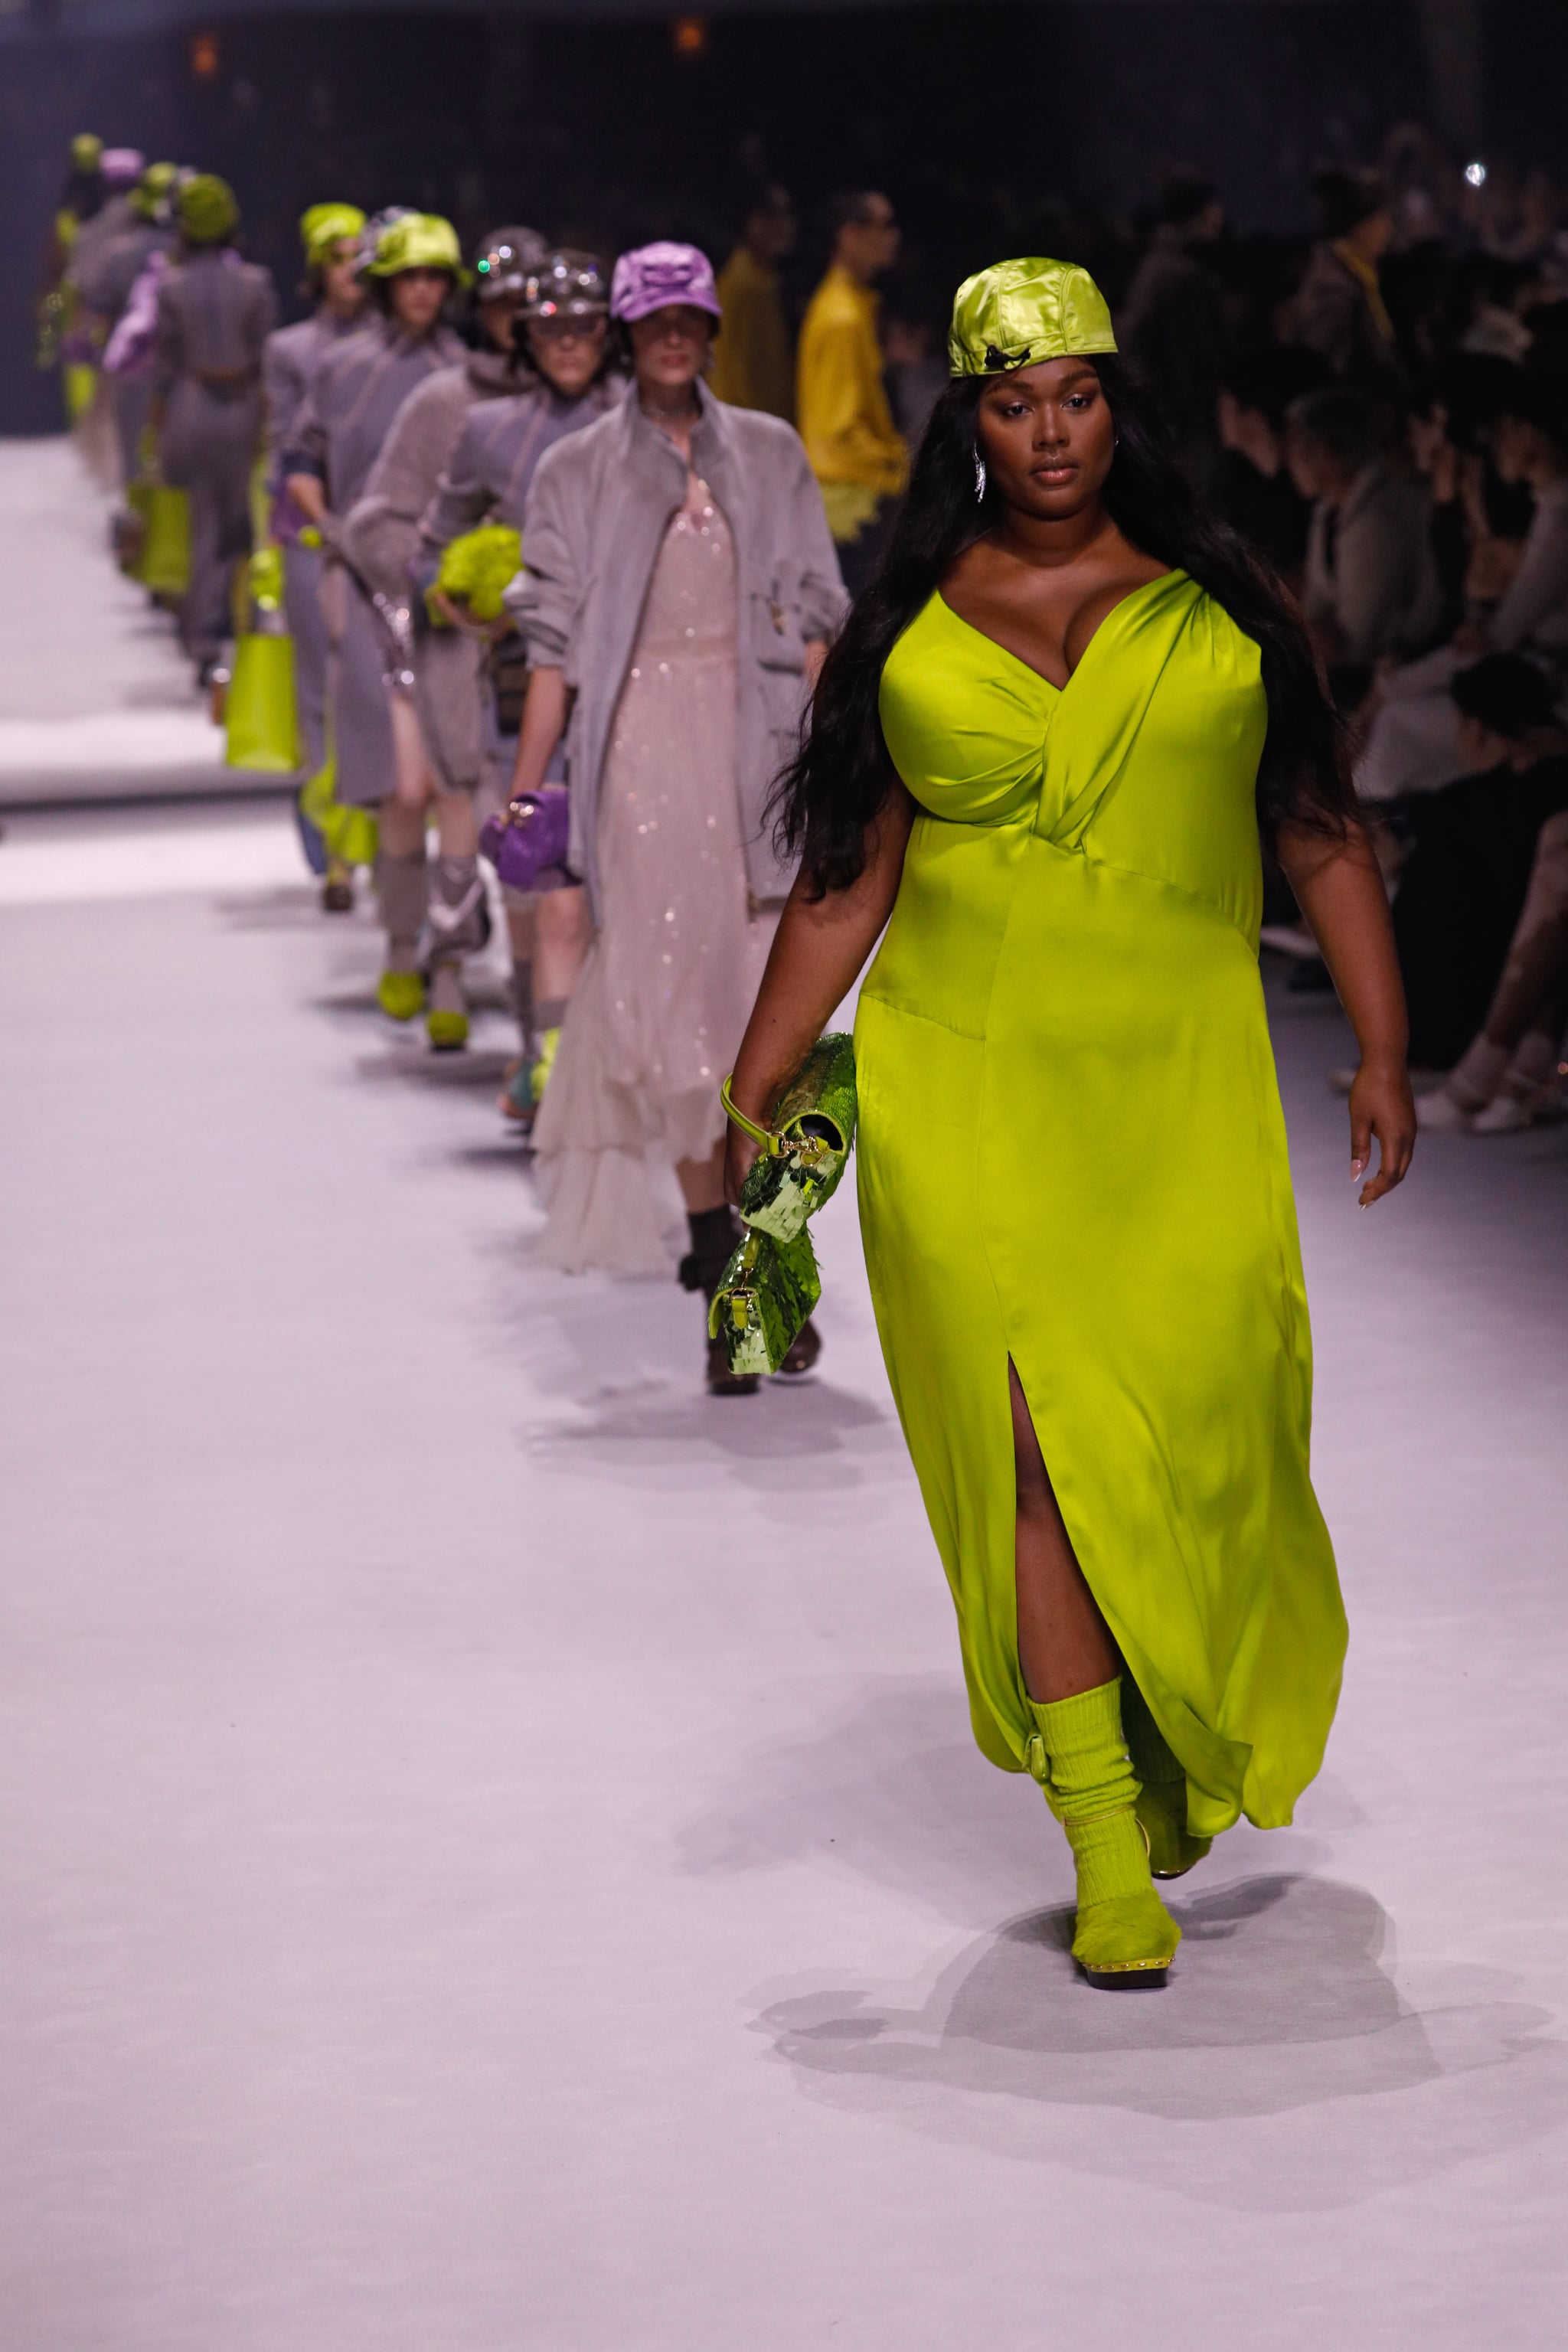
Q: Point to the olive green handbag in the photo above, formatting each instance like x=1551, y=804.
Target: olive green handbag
x=772, y=1284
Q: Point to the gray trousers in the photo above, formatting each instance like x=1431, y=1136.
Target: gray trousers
x=209, y=439
x=302, y=570
x=362, y=722
x=130, y=405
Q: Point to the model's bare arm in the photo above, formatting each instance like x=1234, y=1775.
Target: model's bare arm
x=818, y=949
x=309, y=493
x=544, y=710
x=1340, y=891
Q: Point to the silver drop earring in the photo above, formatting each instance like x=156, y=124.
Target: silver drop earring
x=979, y=475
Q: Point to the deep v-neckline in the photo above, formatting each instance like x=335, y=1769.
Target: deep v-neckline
x=1100, y=628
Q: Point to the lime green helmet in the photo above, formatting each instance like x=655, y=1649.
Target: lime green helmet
x=153, y=191
x=87, y=149
x=207, y=212
x=326, y=226
x=417, y=241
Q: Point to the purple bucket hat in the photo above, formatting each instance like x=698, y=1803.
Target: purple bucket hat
x=122, y=166
x=653, y=275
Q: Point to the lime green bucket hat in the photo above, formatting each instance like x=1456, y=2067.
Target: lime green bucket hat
x=418, y=241
x=1018, y=313
x=324, y=227
x=207, y=208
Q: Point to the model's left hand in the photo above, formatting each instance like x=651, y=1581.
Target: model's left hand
x=1380, y=1105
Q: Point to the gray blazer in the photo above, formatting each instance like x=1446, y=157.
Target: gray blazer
x=597, y=512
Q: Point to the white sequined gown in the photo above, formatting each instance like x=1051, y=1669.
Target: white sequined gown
x=659, y=1011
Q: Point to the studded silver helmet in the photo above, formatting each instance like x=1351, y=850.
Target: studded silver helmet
x=568, y=285
x=506, y=261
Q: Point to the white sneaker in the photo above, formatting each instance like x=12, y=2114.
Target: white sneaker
x=1441, y=1111
x=1504, y=1115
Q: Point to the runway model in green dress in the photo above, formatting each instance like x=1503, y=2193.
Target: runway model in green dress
x=1074, y=1186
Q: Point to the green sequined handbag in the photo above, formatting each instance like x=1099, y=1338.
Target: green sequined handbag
x=771, y=1283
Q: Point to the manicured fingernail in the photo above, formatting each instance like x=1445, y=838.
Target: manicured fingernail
x=1356, y=1168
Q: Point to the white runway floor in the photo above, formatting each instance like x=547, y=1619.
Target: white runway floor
x=492, y=1855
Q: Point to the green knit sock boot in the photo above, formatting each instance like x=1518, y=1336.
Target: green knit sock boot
x=1162, y=1803
x=1124, y=1934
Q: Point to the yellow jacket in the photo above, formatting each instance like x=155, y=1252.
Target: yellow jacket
x=751, y=362
x=856, y=452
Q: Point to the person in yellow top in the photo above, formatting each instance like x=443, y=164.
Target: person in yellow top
x=856, y=452
x=752, y=363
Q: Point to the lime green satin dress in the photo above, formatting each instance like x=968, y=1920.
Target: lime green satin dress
x=1072, y=1153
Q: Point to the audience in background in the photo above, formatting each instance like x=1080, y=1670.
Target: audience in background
x=1255, y=489
x=753, y=359
x=856, y=452
x=1339, y=309
x=1174, y=326
x=1370, y=587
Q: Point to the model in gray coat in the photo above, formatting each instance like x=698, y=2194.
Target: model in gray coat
x=289, y=369
x=675, y=555
x=104, y=283
x=597, y=518
x=354, y=397
x=381, y=538
x=214, y=314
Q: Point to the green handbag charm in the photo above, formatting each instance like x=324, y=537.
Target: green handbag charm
x=772, y=1284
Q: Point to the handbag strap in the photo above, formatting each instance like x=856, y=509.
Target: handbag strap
x=771, y=1144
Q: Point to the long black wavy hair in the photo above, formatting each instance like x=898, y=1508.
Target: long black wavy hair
x=832, y=790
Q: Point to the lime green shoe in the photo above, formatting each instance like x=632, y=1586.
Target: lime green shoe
x=401, y=995
x=539, y=1076
x=1127, y=1941
x=1162, y=1811
x=1124, y=1936
x=448, y=1031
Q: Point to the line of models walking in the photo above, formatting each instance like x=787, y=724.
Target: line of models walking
x=513, y=537
x=1042, y=755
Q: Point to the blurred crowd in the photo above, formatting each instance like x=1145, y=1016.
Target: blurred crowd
x=1380, y=410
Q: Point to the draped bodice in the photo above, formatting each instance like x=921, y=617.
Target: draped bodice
x=1146, y=760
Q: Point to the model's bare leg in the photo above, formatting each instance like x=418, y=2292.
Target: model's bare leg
x=1064, y=1646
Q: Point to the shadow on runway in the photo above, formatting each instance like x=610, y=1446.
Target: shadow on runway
x=793, y=1420
x=412, y=1060
x=285, y=907
x=1276, y=2004
x=1279, y=2003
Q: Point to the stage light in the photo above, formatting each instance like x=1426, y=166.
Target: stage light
x=1476, y=175
x=688, y=35
x=204, y=56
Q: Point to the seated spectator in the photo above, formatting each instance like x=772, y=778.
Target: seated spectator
x=1465, y=884
x=1173, y=326
x=1255, y=491
x=1338, y=309
x=1371, y=586
x=1488, y=289
x=1412, y=744
x=1509, y=1076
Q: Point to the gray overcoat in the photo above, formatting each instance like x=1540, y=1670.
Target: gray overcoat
x=596, y=516
x=353, y=399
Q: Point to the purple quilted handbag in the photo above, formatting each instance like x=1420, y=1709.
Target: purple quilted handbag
x=527, y=842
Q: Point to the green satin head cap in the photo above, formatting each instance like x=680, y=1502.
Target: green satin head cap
x=1017, y=313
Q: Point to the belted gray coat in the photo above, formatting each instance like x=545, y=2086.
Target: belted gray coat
x=597, y=512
